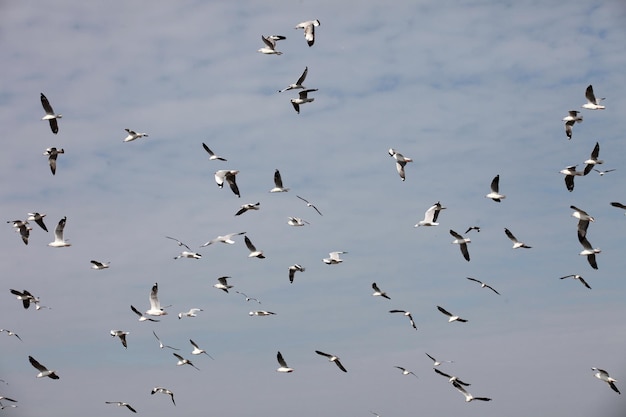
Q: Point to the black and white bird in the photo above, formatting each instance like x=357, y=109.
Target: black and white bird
x=298, y=84
x=592, y=103
x=577, y=277
x=468, y=397
x=193, y=312
x=228, y=175
x=37, y=218
x=451, y=378
x=401, y=162
x=222, y=284
x=122, y=335
x=254, y=252
x=309, y=30
x=59, y=241
x=406, y=314
x=309, y=204
x=570, y=172
x=162, y=390
x=227, y=238
x=52, y=154
x=589, y=251
x=570, y=120
x=278, y=184
x=483, y=285
x=43, y=371
x=155, y=304
x=26, y=297
x=603, y=375
x=302, y=99
x=495, y=190
x=431, y=215
x=332, y=358
x=141, y=316
x=247, y=297
x=197, y=350
x=284, y=368
x=293, y=269
x=247, y=207
x=11, y=333
x=583, y=219
x=593, y=159
x=212, y=156
x=132, y=135
x=99, y=265
x=516, y=243
x=183, y=361
x=261, y=313
x=161, y=345
x=333, y=258
x=451, y=317
x=378, y=293
x=469, y=229
x=122, y=404
x=437, y=362
x=462, y=242
x=23, y=229
x=50, y=116
x=270, y=44
x=405, y=371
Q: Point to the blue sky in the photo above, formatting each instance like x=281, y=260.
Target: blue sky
x=468, y=89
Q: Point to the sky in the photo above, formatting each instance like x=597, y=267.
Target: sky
x=467, y=89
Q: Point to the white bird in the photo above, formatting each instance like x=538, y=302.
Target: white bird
x=122, y=404
x=188, y=254
x=578, y=277
x=462, y=242
x=297, y=84
x=246, y=207
x=292, y=271
x=332, y=358
x=183, y=361
x=155, y=305
x=196, y=349
x=468, y=397
x=132, y=135
x=222, y=284
x=212, y=156
x=50, y=116
x=37, y=218
x=23, y=229
x=516, y=243
x=248, y=298
x=570, y=172
x=592, y=103
x=121, y=334
x=193, y=312
x=308, y=204
x=162, y=390
x=296, y=221
x=179, y=242
x=401, y=161
x=451, y=378
x=436, y=362
x=583, y=219
x=333, y=258
x=603, y=375
x=270, y=44
x=606, y=171
x=302, y=98
x=99, y=265
x=378, y=292
x=227, y=175
x=407, y=314
x=254, y=253
x=161, y=345
x=589, y=251
x=224, y=239
x=431, y=215
x=141, y=316
x=11, y=333
x=278, y=184
x=405, y=371
x=309, y=30
x=570, y=120
x=59, y=242
x=26, y=297
x=52, y=154
x=593, y=159
x=261, y=313
x=483, y=285
x=43, y=371
x=495, y=190
x=451, y=317
x=283, y=365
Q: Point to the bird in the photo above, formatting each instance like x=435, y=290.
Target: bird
x=3, y=398
x=333, y=258
x=592, y=103
x=516, y=243
x=606, y=171
x=401, y=161
x=161, y=345
x=254, y=253
x=183, y=361
x=431, y=215
x=407, y=314
x=495, y=190
x=227, y=175
x=212, y=156
x=261, y=313
x=468, y=397
x=50, y=116
x=593, y=159
x=451, y=317
x=583, y=219
x=292, y=271
x=297, y=84
x=155, y=305
x=162, y=390
x=132, y=135
x=270, y=44
x=193, y=312
x=59, y=242
x=302, y=98
x=122, y=404
x=589, y=251
x=52, y=154
x=246, y=207
x=570, y=120
x=196, y=349
x=283, y=365
x=332, y=358
x=141, y=316
x=378, y=292
x=188, y=254
x=451, y=378
x=248, y=298
x=2, y=406
x=11, y=333
x=37, y=218
x=26, y=297
x=436, y=362
x=603, y=375
x=308, y=204
x=578, y=277
x=469, y=229
x=222, y=284
x=483, y=285
x=43, y=371
x=278, y=184
x=122, y=335
x=296, y=221
x=224, y=239
x=99, y=265
x=309, y=30
x=570, y=172
x=619, y=205
x=22, y=228
x=462, y=242
x=405, y=371
x=178, y=241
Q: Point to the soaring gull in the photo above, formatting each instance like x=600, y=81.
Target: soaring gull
x=309, y=30
x=51, y=116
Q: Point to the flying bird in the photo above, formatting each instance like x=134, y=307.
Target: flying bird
x=451, y=378
x=619, y=205
x=431, y=215
x=332, y=358
x=469, y=229
x=378, y=293
x=495, y=190
x=99, y=265
x=401, y=161
x=516, y=243
x=283, y=365
x=270, y=44
x=193, y=312
x=254, y=253
x=246, y=207
x=248, y=298
x=309, y=30
x=570, y=172
x=333, y=258
x=292, y=271
x=196, y=349
x=59, y=242
x=436, y=362
x=212, y=156
x=297, y=84
x=228, y=238
x=589, y=251
x=407, y=314
x=451, y=317
x=52, y=154
x=11, y=333
x=122, y=404
x=592, y=103
x=22, y=228
x=37, y=218
x=593, y=159
x=308, y=204
x=178, y=241
x=462, y=242
x=43, y=371
x=578, y=277
x=603, y=375
x=155, y=305
x=405, y=371
x=227, y=175
x=121, y=334
x=296, y=221
x=483, y=285
x=161, y=345
x=50, y=116
x=183, y=361
x=583, y=219
x=570, y=120
x=141, y=316
x=189, y=255
x=302, y=98
x=261, y=313
x=222, y=284
x=26, y=297
x=132, y=135
x=162, y=390
x=468, y=397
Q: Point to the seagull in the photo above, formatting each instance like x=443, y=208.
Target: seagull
x=161, y=345
x=297, y=84
x=401, y=161
x=2, y=406
x=468, y=397
x=469, y=229
x=121, y=334
x=308, y=204
x=26, y=297
x=451, y=378
x=163, y=391
x=283, y=365
x=223, y=284
x=50, y=116
x=193, y=312
x=212, y=156
x=606, y=171
x=261, y=313
x=11, y=333
x=183, y=361
x=603, y=375
x=37, y=218
x=270, y=44
x=495, y=186
x=516, y=243
x=483, y=285
x=188, y=254
x=578, y=277
x=430, y=217
x=122, y=404
x=196, y=349
x=407, y=314
x=570, y=172
x=229, y=176
x=43, y=371
x=278, y=184
x=247, y=297
x=332, y=358
x=52, y=154
x=588, y=251
x=3, y=398
x=462, y=242
x=292, y=271
x=378, y=292
x=592, y=103
x=246, y=207
x=179, y=242
x=309, y=30
x=224, y=239
x=302, y=98
x=593, y=159
x=132, y=135
x=22, y=227
x=436, y=362
x=296, y=221
x=583, y=219
x=254, y=253
x=155, y=305
x=141, y=316
x=451, y=316
x=405, y=372
x=570, y=120
x=99, y=265
x=333, y=258
x=59, y=242
x=618, y=205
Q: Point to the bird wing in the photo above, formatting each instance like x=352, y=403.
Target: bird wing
x=455, y=234
x=303, y=76
x=464, y=251
x=441, y=373
x=588, y=94
x=340, y=365
x=58, y=232
x=154, y=297
x=249, y=244
x=36, y=364
x=510, y=235
x=277, y=179
x=323, y=354
x=495, y=183
x=281, y=361
x=230, y=178
x=444, y=311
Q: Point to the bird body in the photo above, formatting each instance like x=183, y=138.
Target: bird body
x=495, y=190
x=132, y=135
x=270, y=44
x=59, y=242
x=283, y=365
x=592, y=103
